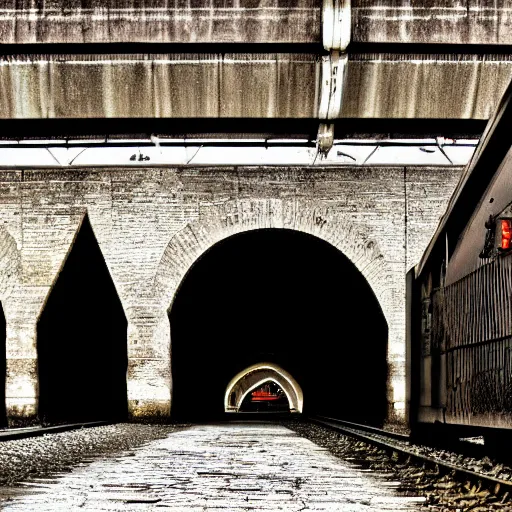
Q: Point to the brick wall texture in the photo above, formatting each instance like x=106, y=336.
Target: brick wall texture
x=153, y=223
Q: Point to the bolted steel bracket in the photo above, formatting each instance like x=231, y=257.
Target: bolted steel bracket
x=334, y=73
x=336, y=29
x=324, y=139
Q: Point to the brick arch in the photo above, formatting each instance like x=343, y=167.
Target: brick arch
x=220, y=221
x=237, y=216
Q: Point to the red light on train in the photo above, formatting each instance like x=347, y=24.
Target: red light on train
x=506, y=231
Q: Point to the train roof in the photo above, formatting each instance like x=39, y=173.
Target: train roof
x=478, y=174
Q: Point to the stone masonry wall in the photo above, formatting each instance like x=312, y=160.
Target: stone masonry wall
x=153, y=223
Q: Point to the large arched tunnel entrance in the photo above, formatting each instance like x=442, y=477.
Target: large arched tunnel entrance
x=81, y=340
x=288, y=298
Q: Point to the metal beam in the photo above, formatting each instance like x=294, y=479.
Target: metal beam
x=250, y=86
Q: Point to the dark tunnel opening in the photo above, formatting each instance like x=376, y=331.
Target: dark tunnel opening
x=82, y=340
x=3, y=364
x=283, y=297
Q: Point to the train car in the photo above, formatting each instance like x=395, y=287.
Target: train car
x=459, y=300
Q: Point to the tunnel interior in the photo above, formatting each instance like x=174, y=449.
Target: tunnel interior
x=82, y=340
x=284, y=297
x=3, y=365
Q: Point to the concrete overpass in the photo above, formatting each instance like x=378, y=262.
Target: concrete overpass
x=256, y=60
x=290, y=70
x=260, y=21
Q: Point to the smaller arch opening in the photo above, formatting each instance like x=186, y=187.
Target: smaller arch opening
x=267, y=397
x=263, y=387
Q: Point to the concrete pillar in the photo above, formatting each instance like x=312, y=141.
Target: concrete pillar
x=397, y=384
x=21, y=386
x=393, y=304
x=149, y=365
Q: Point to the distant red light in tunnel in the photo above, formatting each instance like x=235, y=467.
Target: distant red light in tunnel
x=264, y=395
x=506, y=231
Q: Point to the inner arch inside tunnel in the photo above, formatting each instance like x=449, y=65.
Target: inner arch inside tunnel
x=285, y=297
x=257, y=375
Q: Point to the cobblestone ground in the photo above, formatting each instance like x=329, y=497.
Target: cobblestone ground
x=235, y=467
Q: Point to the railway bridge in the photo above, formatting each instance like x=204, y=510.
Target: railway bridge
x=190, y=189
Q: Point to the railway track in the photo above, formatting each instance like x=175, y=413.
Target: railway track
x=400, y=448
x=22, y=433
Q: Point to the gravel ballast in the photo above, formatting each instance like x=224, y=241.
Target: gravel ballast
x=38, y=456
x=442, y=492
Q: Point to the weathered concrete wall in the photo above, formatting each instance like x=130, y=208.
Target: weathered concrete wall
x=152, y=225
x=248, y=85
x=425, y=86
x=426, y=197
x=219, y=21
x=254, y=21
x=432, y=21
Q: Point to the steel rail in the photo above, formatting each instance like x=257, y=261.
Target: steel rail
x=365, y=433
x=366, y=428
x=23, y=433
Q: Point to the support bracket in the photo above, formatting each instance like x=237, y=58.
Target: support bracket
x=336, y=29
x=324, y=139
x=336, y=24
x=334, y=73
